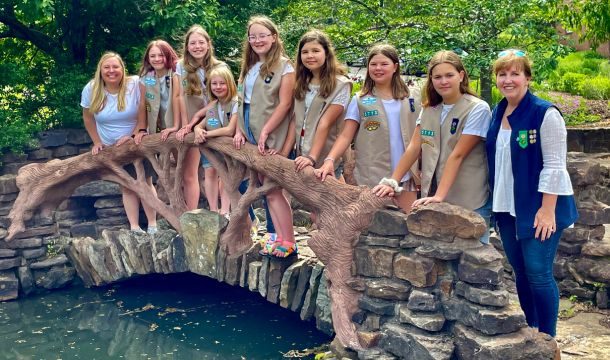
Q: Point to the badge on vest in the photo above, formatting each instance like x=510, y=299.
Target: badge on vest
x=150, y=81
x=240, y=87
x=454, y=125
x=214, y=122
x=210, y=112
x=371, y=113
x=427, y=142
x=371, y=125
x=369, y=100
x=412, y=104
x=150, y=96
x=424, y=132
x=526, y=137
x=268, y=78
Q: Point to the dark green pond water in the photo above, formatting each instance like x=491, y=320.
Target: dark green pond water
x=182, y=316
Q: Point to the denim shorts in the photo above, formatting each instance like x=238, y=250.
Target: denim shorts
x=485, y=212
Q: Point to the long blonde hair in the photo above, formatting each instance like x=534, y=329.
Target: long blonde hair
x=98, y=96
x=193, y=84
x=399, y=88
x=249, y=57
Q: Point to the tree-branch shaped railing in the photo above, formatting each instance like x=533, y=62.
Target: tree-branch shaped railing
x=343, y=211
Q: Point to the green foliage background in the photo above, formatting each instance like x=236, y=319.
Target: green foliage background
x=49, y=48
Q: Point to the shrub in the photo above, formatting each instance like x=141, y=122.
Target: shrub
x=570, y=82
x=596, y=88
x=63, y=97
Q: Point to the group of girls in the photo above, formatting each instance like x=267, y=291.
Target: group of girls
x=449, y=146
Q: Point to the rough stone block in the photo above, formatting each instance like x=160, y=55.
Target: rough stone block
x=423, y=301
x=583, y=172
x=372, y=240
x=250, y=256
x=253, y=271
x=178, y=255
x=593, y=213
x=443, y=221
x=523, y=344
x=582, y=233
x=26, y=280
x=34, y=253
x=56, y=277
x=602, y=299
x=36, y=231
x=388, y=289
x=84, y=229
x=482, y=296
x=368, y=339
x=40, y=154
x=7, y=253
x=289, y=283
x=569, y=248
x=98, y=188
x=570, y=287
x=309, y=304
x=110, y=212
x=324, y=320
x=377, y=306
x=597, y=248
x=65, y=151
x=107, y=222
x=8, y=197
x=412, y=241
x=108, y=202
x=9, y=286
x=302, y=286
x=3, y=233
x=372, y=322
x=389, y=222
x=12, y=168
x=145, y=251
x=53, y=138
x=12, y=157
x=373, y=261
x=277, y=267
x=418, y=270
x=598, y=271
x=408, y=342
x=481, y=274
x=423, y=320
x=10, y=263
x=263, y=275
x=375, y=354
x=8, y=184
x=482, y=255
x=488, y=321
x=439, y=251
x=201, y=230
x=78, y=137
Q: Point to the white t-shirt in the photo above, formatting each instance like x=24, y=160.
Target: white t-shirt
x=392, y=109
x=477, y=122
x=110, y=123
x=253, y=74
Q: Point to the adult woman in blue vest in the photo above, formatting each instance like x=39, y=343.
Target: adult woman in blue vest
x=533, y=199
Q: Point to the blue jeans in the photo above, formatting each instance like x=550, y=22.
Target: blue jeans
x=485, y=212
x=532, y=262
x=243, y=186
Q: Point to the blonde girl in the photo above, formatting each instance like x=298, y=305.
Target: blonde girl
x=197, y=61
x=450, y=136
x=114, y=113
x=265, y=91
x=380, y=119
x=219, y=119
x=322, y=93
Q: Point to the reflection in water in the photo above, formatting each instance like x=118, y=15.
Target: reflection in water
x=182, y=316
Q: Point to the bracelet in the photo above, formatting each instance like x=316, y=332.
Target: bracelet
x=310, y=158
x=391, y=183
x=329, y=159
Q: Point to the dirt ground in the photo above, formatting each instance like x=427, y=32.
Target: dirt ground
x=584, y=336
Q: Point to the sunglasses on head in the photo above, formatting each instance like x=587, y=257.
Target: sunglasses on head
x=517, y=53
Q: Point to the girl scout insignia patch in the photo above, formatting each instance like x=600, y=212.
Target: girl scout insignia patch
x=412, y=104
x=522, y=139
x=454, y=125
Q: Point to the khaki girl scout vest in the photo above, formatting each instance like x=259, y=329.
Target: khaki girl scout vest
x=193, y=102
x=372, y=144
x=317, y=108
x=153, y=85
x=265, y=98
x=470, y=188
x=214, y=120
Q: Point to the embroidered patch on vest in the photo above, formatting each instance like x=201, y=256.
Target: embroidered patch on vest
x=210, y=112
x=454, y=125
x=424, y=132
x=214, y=122
x=240, y=87
x=369, y=100
x=150, y=96
x=412, y=104
x=148, y=108
x=150, y=81
x=427, y=142
x=371, y=125
x=268, y=78
x=371, y=113
x=532, y=136
x=522, y=138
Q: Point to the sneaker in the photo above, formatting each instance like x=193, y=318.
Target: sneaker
x=138, y=230
x=152, y=230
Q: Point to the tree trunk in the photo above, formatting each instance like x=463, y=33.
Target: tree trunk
x=485, y=83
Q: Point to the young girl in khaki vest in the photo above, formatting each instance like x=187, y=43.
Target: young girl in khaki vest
x=161, y=87
x=381, y=118
x=265, y=92
x=450, y=136
x=198, y=60
x=321, y=95
x=220, y=119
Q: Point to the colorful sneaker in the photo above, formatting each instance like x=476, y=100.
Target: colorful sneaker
x=282, y=251
x=151, y=230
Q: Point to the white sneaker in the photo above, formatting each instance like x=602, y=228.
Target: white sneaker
x=151, y=230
